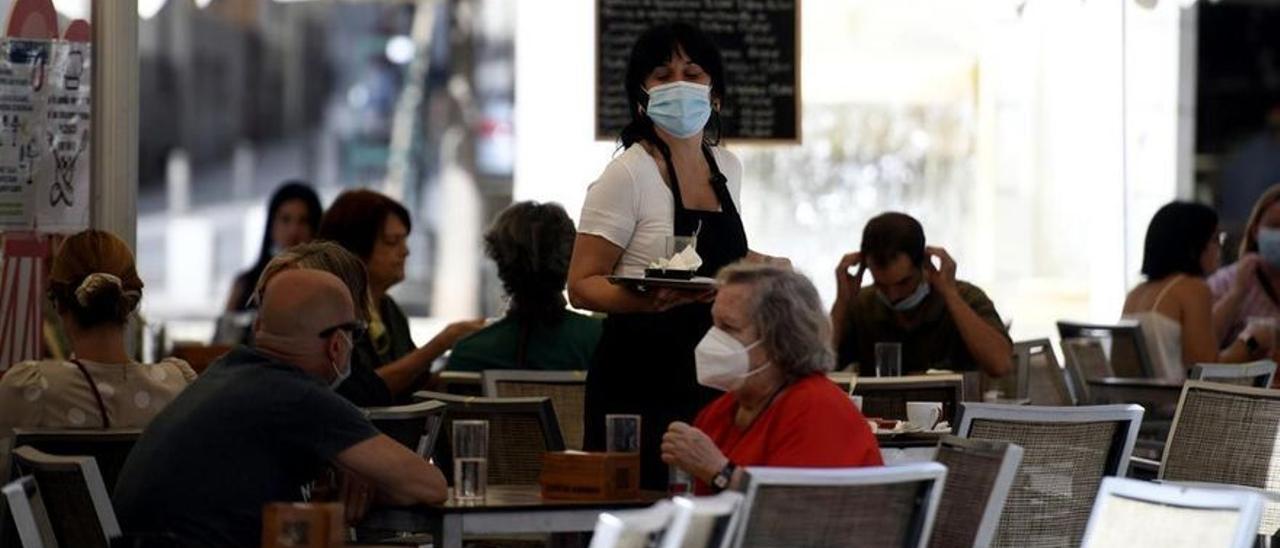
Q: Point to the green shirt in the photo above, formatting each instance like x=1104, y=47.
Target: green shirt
x=932, y=343
x=564, y=346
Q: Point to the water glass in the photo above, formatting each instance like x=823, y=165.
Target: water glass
x=622, y=433
x=679, y=482
x=888, y=359
x=673, y=245
x=470, y=459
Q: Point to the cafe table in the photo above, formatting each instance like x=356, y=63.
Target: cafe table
x=505, y=510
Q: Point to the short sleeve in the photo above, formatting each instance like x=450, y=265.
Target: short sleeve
x=22, y=391
x=984, y=308
x=610, y=210
x=1220, y=282
x=324, y=424
x=181, y=366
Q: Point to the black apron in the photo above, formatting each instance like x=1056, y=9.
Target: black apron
x=644, y=362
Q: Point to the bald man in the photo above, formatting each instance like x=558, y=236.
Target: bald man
x=260, y=424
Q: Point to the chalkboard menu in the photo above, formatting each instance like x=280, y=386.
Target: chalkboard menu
x=759, y=40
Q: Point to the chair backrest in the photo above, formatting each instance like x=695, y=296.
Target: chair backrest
x=1128, y=356
x=29, y=516
x=521, y=430
x=979, y=476
x=1256, y=374
x=567, y=390
x=1131, y=513
x=1041, y=379
x=74, y=495
x=887, y=397
x=1085, y=359
x=1227, y=434
x=416, y=425
x=701, y=522
x=1066, y=453
x=876, y=506
x=109, y=448
x=632, y=528
x=462, y=383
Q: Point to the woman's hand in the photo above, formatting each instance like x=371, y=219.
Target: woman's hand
x=456, y=331
x=1246, y=274
x=666, y=298
x=690, y=449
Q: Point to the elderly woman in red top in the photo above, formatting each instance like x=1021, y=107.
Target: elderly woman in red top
x=769, y=350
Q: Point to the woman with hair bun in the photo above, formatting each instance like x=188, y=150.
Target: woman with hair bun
x=94, y=288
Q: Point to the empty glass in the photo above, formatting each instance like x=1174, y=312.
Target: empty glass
x=622, y=433
x=888, y=360
x=470, y=459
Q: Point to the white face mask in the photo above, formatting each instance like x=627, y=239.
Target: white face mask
x=722, y=362
x=342, y=374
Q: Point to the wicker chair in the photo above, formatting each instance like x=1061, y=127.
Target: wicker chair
x=879, y=506
x=1128, y=356
x=521, y=430
x=29, y=515
x=701, y=522
x=1256, y=374
x=1227, y=435
x=887, y=397
x=567, y=390
x=1066, y=453
x=979, y=476
x=109, y=448
x=1041, y=379
x=633, y=528
x=74, y=496
x=415, y=426
x=1131, y=513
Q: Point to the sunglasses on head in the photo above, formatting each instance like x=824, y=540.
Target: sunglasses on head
x=354, y=328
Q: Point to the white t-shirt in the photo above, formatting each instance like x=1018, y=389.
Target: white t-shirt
x=631, y=206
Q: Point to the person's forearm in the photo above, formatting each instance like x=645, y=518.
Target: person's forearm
x=839, y=321
x=1227, y=308
x=401, y=374
x=422, y=483
x=1236, y=352
x=595, y=293
x=988, y=346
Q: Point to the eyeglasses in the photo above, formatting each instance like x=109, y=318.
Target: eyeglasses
x=354, y=328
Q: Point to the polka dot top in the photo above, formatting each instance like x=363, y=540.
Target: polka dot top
x=55, y=394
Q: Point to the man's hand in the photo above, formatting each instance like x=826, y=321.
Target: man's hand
x=848, y=285
x=356, y=495
x=943, y=277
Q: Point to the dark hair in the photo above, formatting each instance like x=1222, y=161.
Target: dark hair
x=653, y=49
x=890, y=234
x=356, y=218
x=287, y=192
x=1176, y=238
x=531, y=244
x=94, y=277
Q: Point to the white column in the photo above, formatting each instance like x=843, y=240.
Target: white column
x=114, y=130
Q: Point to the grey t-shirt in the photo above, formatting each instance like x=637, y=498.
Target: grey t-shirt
x=247, y=432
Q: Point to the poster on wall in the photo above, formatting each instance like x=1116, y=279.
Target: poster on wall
x=44, y=135
x=22, y=282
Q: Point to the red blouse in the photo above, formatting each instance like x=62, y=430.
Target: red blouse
x=811, y=424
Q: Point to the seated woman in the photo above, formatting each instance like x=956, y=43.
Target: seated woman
x=95, y=288
x=531, y=244
x=770, y=351
x=386, y=365
x=293, y=217
x=1251, y=287
x=1174, y=306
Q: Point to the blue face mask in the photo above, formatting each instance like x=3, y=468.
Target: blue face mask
x=680, y=108
x=1269, y=245
x=910, y=302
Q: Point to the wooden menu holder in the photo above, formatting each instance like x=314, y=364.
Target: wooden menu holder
x=297, y=525
x=574, y=475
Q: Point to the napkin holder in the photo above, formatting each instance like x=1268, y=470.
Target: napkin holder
x=575, y=475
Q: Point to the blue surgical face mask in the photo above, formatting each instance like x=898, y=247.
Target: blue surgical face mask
x=910, y=302
x=1269, y=245
x=680, y=108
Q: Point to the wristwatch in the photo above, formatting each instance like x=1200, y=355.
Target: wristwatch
x=724, y=477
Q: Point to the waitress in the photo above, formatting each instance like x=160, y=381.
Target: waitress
x=671, y=180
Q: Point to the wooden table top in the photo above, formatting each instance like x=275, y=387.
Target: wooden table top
x=502, y=498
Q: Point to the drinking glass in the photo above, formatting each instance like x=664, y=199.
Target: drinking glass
x=888, y=359
x=470, y=459
x=622, y=433
x=673, y=245
x=679, y=482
